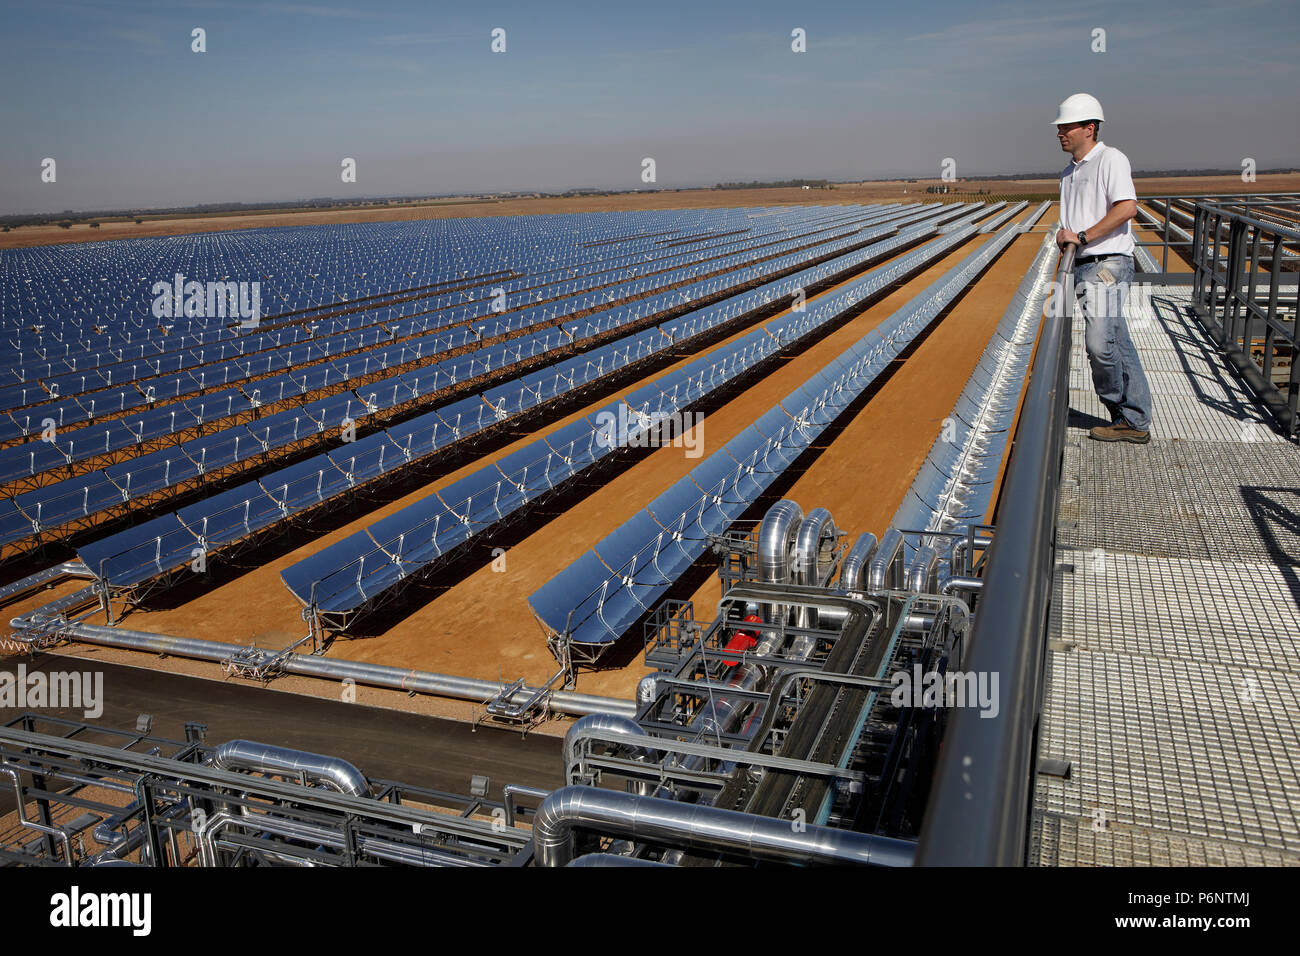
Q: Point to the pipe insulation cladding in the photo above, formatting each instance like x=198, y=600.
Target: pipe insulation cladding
x=698, y=827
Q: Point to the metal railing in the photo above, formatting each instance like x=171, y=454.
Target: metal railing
x=979, y=809
x=1243, y=293
x=1244, y=270
x=1172, y=213
x=176, y=805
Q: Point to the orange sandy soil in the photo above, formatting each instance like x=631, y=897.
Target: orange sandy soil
x=864, y=474
x=481, y=625
x=893, y=191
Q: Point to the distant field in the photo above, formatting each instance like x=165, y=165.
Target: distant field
x=688, y=199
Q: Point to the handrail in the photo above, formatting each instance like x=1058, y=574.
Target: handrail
x=1227, y=297
x=1164, y=203
x=1274, y=227
x=978, y=812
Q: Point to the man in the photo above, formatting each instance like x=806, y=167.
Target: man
x=1097, y=202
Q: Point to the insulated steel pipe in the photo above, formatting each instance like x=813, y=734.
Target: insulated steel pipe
x=923, y=576
x=102, y=860
x=612, y=859
x=52, y=575
x=817, y=528
x=853, y=573
x=269, y=825
x=723, y=712
x=697, y=827
x=118, y=845
x=885, y=569
x=814, y=530
x=309, y=665
x=961, y=545
x=778, y=535
x=12, y=772
x=331, y=772
x=598, y=725
x=783, y=528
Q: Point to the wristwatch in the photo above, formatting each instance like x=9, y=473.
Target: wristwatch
x=1083, y=238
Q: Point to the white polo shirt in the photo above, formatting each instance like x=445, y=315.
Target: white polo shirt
x=1089, y=189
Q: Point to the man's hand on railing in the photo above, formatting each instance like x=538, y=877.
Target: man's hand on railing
x=1065, y=237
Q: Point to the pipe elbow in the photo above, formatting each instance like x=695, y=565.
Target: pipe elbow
x=777, y=535
x=885, y=569
x=813, y=530
x=922, y=577
x=594, y=724
x=553, y=826
x=331, y=772
x=853, y=574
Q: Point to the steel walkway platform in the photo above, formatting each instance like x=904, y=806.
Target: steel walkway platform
x=1173, y=670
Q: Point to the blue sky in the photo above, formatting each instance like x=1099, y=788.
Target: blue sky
x=584, y=91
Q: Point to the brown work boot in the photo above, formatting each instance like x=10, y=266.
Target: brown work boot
x=1120, y=431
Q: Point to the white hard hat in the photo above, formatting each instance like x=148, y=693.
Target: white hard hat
x=1078, y=108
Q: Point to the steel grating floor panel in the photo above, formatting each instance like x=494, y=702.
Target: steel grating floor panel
x=1174, y=498
x=1065, y=841
x=1197, y=749
x=1195, y=382
x=1173, y=670
x=1195, y=395
x=1184, y=417
x=1156, y=360
x=1230, y=613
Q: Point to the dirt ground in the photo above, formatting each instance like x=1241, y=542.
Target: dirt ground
x=862, y=476
x=892, y=191
x=416, y=641
x=481, y=625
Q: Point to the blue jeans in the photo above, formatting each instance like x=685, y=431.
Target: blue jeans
x=1100, y=288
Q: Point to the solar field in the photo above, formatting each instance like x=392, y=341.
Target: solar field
x=482, y=447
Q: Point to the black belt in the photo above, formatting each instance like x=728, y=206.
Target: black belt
x=1084, y=260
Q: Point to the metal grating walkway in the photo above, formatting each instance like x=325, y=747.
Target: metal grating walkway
x=1173, y=669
